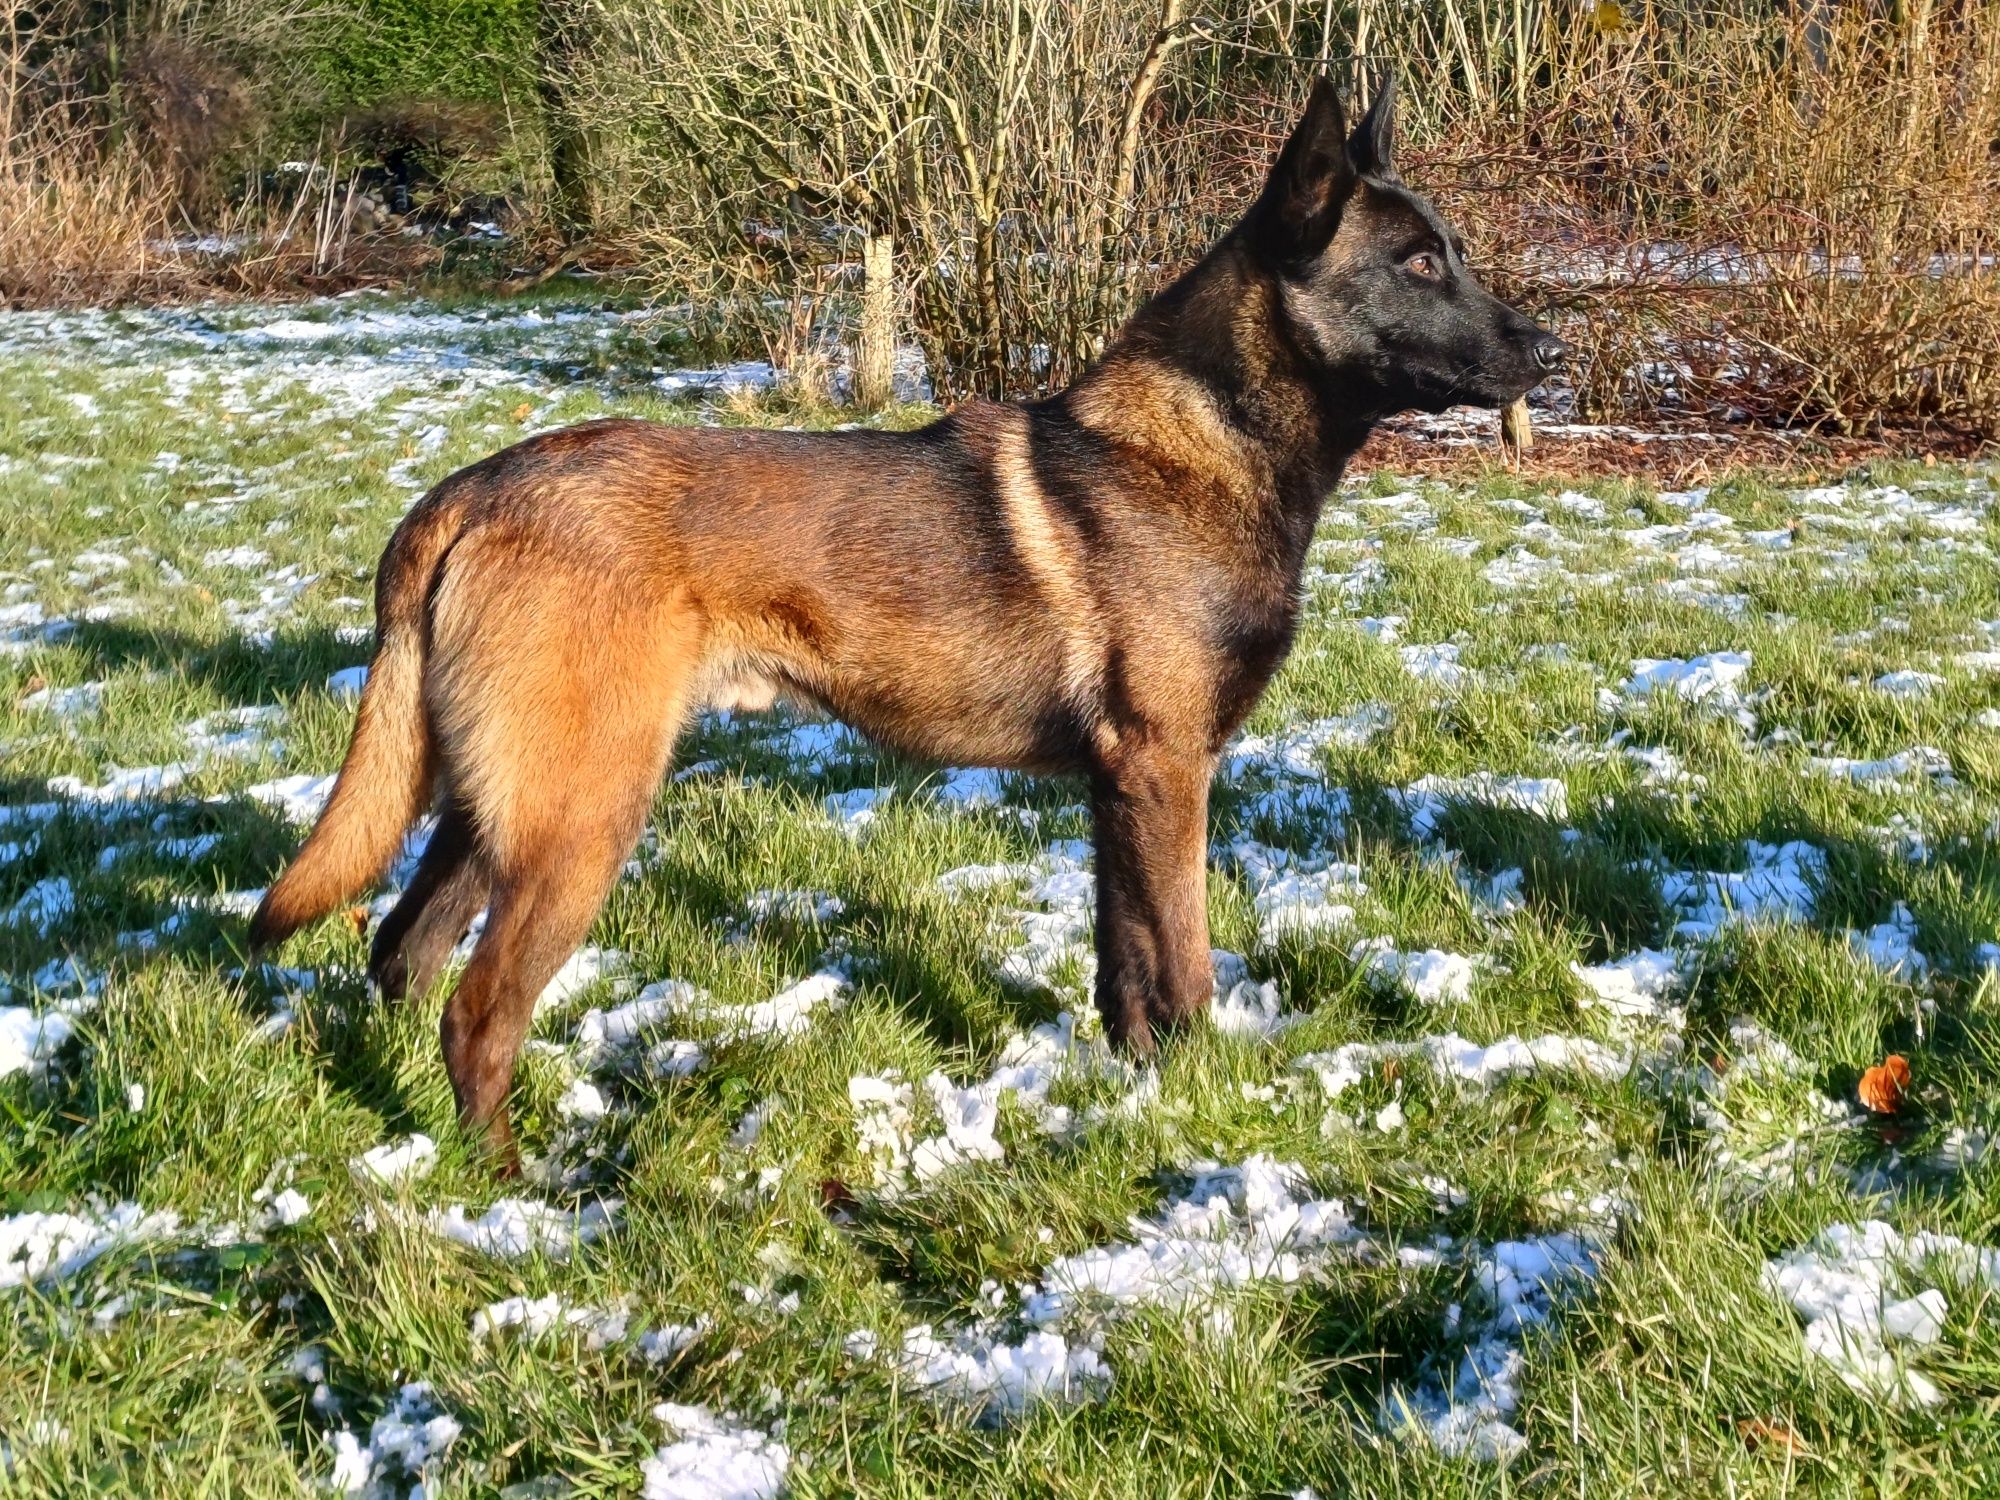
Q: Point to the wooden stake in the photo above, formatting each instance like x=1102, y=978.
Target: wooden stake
x=1516, y=435
x=875, y=346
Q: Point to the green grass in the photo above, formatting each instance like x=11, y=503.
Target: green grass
x=167, y=1367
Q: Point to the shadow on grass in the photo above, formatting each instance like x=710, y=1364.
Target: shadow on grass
x=236, y=669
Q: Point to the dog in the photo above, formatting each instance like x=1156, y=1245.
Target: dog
x=1099, y=583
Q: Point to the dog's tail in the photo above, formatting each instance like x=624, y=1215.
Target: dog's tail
x=385, y=781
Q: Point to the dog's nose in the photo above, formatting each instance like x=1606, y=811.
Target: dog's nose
x=1550, y=351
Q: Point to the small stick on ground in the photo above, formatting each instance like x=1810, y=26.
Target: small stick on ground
x=1517, y=436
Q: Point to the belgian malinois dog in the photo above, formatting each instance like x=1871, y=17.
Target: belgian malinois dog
x=1099, y=583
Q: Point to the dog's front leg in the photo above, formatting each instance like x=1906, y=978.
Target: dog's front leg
x=1153, y=968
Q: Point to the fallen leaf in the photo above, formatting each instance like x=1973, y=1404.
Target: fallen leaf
x=1883, y=1086
x=835, y=1196
x=358, y=915
x=522, y=412
x=1757, y=1432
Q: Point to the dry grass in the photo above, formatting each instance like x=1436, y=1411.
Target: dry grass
x=1732, y=206
x=1789, y=215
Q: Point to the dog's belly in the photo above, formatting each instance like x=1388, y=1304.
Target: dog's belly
x=988, y=697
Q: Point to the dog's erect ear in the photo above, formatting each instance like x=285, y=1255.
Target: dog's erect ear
x=1371, y=148
x=1299, y=209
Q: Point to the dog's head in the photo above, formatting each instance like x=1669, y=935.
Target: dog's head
x=1374, y=280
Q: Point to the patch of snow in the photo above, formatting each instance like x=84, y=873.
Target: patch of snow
x=405, y=1443
x=1426, y=800
x=51, y=1246
x=713, y=1459
x=1452, y=1056
x=1780, y=885
x=1433, y=977
x=1908, y=683
x=515, y=1227
x=1852, y=1285
x=1887, y=773
x=998, y=1380
x=396, y=1161
x=1892, y=946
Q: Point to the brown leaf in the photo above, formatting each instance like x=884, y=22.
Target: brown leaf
x=1883, y=1086
x=835, y=1196
x=358, y=916
x=1758, y=1432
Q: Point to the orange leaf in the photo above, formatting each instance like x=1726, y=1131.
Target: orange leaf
x=1883, y=1086
x=522, y=412
x=358, y=916
x=1759, y=1433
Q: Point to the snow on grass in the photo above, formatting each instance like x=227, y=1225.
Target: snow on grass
x=1908, y=683
x=996, y=1380
x=1463, y=1408
x=1713, y=680
x=1030, y=1065
x=1888, y=771
x=713, y=1458
x=1875, y=1301
x=1892, y=946
x=397, y=1161
x=405, y=1444
x=533, y=1318
x=1780, y=884
x=1453, y=1057
x=1429, y=799
x=28, y=1040
x=1301, y=902
x=1634, y=987
x=512, y=1228
x=1232, y=1227
x=37, y=1246
x=950, y=1109
x=1431, y=977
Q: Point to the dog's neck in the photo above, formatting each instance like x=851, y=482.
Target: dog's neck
x=1241, y=384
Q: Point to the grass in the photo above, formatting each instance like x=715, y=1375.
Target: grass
x=167, y=1367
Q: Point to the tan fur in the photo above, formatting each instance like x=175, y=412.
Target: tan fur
x=386, y=776
x=1050, y=550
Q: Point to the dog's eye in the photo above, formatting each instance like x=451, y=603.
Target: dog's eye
x=1425, y=265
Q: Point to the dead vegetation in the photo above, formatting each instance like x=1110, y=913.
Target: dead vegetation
x=1739, y=210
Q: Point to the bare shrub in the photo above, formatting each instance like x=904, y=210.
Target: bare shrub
x=1727, y=203
x=1034, y=160
x=1791, y=212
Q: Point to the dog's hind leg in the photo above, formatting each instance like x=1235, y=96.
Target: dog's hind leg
x=446, y=893
x=1154, y=972
x=557, y=721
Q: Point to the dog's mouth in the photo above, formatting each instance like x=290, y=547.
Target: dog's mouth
x=1529, y=365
